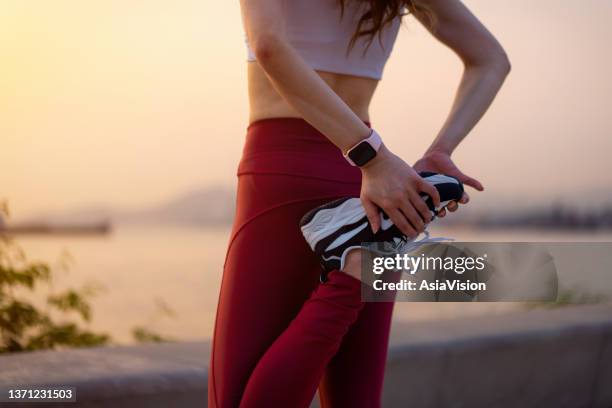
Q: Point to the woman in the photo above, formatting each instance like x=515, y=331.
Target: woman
x=313, y=67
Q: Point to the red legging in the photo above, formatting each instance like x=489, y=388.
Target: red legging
x=279, y=333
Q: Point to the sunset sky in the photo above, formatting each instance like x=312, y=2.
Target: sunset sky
x=129, y=103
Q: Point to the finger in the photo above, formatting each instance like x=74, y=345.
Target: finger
x=431, y=191
x=474, y=183
x=465, y=198
x=373, y=214
x=452, y=206
x=470, y=181
x=422, y=208
x=413, y=216
x=442, y=213
x=401, y=222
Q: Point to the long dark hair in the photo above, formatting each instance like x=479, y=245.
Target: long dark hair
x=382, y=12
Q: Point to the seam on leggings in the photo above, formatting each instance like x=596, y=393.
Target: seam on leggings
x=259, y=214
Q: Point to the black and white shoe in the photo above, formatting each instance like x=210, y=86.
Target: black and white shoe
x=333, y=229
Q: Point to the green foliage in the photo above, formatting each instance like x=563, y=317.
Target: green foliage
x=144, y=335
x=71, y=300
x=25, y=326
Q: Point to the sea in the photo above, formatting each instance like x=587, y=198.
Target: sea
x=167, y=279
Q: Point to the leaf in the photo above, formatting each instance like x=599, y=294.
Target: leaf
x=16, y=317
x=66, y=335
x=71, y=301
x=144, y=335
x=23, y=326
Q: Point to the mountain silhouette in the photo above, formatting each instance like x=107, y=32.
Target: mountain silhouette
x=203, y=207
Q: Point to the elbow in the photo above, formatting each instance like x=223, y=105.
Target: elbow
x=502, y=61
x=267, y=46
x=494, y=60
x=498, y=60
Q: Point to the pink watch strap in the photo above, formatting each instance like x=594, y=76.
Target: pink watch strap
x=373, y=140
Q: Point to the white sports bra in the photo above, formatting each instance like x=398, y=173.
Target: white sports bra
x=316, y=29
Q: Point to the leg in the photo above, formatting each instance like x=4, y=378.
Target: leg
x=354, y=377
x=289, y=372
x=267, y=278
x=269, y=274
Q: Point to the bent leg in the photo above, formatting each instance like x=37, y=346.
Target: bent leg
x=354, y=377
x=289, y=372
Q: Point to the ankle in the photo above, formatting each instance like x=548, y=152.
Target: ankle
x=352, y=264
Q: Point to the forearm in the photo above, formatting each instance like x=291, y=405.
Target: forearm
x=486, y=67
x=309, y=95
x=477, y=90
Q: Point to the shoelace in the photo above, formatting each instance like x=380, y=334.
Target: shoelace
x=405, y=246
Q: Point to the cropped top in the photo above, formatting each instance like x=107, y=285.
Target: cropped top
x=321, y=34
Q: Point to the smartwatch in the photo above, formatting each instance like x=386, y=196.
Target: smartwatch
x=364, y=151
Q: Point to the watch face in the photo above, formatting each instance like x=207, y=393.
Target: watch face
x=362, y=153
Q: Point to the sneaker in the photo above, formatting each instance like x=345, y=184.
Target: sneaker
x=334, y=228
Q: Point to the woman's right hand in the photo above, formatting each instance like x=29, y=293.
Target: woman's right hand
x=388, y=183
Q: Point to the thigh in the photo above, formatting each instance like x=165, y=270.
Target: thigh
x=269, y=272
x=268, y=275
x=354, y=377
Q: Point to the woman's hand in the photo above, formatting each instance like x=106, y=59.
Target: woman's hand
x=388, y=183
x=440, y=162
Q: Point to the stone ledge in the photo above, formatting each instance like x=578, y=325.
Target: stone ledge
x=560, y=358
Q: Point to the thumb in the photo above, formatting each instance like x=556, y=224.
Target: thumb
x=372, y=213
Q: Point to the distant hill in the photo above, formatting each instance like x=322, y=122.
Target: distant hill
x=215, y=206
x=203, y=207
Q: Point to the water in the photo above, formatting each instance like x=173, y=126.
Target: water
x=142, y=269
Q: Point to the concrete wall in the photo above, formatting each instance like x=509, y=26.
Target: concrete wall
x=543, y=358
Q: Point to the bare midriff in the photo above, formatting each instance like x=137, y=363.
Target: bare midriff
x=265, y=102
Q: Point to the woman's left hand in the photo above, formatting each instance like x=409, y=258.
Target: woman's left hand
x=440, y=162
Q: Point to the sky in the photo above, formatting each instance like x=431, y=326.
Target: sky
x=129, y=104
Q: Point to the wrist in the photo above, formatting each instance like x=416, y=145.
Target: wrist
x=364, y=151
x=439, y=149
x=382, y=156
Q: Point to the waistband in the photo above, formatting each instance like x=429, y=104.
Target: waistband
x=292, y=146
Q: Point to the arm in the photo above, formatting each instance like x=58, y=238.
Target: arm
x=388, y=182
x=485, y=69
x=294, y=80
